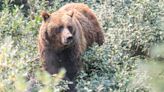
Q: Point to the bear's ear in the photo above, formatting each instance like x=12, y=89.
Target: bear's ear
x=45, y=16
x=70, y=13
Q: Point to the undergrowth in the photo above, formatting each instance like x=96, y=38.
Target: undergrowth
x=131, y=29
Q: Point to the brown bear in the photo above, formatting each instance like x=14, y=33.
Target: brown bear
x=64, y=36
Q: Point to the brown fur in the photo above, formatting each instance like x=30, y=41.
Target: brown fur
x=75, y=21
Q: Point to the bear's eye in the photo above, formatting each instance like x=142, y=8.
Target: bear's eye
x=70, y=28
x=59, y=29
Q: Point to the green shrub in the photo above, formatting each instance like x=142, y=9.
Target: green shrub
x=131, y=28
x=137, y=24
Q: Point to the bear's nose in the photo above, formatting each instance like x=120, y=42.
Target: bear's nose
x=69, y=39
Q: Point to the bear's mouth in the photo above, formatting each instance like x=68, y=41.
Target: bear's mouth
x=69, y=43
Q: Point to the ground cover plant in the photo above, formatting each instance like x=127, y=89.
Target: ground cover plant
x=130, y=60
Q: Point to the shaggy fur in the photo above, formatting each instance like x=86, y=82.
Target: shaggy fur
x=80, y=23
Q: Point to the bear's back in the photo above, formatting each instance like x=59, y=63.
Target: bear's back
x=80, y=7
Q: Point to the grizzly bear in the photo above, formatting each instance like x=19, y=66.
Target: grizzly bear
x=64, y=36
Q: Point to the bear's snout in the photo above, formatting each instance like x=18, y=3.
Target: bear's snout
x=68, y=40
x=67, y=37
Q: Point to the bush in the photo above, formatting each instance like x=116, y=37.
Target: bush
x=131, y=29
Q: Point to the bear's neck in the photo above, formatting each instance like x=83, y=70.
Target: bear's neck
x=64, y=55
x=67, y=59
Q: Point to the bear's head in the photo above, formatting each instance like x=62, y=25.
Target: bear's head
x=58, y=30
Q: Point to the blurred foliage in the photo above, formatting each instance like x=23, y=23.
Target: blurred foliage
x=153, y=67
x=130, y=60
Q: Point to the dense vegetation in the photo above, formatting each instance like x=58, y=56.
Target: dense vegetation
x=130, y=60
